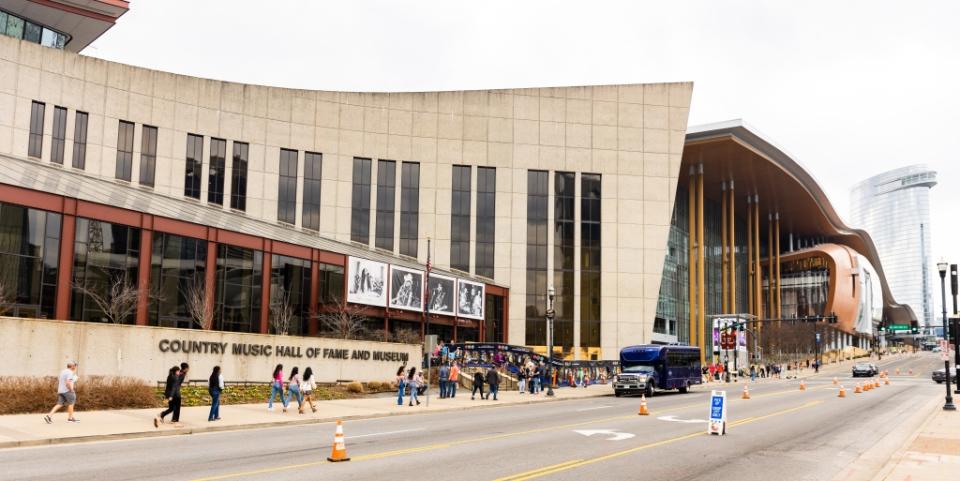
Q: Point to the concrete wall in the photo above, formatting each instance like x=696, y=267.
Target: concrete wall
x=633, y=135
x=42, y=348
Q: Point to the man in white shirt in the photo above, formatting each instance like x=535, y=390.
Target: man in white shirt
x=66, y=393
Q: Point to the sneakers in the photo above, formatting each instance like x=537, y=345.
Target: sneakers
x=47, y=419
x=156, y=423
x=73, y=420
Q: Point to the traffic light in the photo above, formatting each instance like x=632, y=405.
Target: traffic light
x=914, y=330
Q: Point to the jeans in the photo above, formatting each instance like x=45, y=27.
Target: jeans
x=413, y=395
x=477, y=386
x=443, y=389
x=493, y=391
x=214, y=405
x=277, y=387
x=536, y=385
x=451, y=388
x=521, y=385
x=173, y=406
x=296, y=394
x=400, y=393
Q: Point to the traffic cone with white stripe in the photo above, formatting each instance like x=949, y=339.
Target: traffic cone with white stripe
x=339, y=453
x=876, y=382
x=643, y=406
x=746, y=392
x=886, y=380
x=897, y=372
x=857, y=390
x=803, y=387
x=835, y=381
x=843, y=392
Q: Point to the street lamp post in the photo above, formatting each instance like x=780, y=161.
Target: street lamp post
x=942, y=267
x=550, y=294
x=956, y=334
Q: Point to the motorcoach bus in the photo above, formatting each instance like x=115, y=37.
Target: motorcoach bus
x=649, y=367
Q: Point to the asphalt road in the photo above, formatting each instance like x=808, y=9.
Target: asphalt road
x=781, y=433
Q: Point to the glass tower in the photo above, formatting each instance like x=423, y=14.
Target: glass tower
x=894, y=208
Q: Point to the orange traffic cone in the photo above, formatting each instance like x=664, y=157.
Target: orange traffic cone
x=339, y=448
x=803, y=387
x=643, y=406
x=867, y=386
x=886, y=380
x=876, y=382
x=897, y=372
x=842, y=393
x=835, y=382
x=857, y=390
x=746, y=392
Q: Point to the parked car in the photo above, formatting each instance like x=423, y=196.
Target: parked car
x=940, y=375
x=864, y=369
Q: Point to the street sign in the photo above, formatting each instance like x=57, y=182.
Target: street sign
x=718, y=413
x=899, y=327
x=728, y=340
x=944, y=350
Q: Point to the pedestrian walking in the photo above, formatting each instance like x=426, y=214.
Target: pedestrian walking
x=293, y=388
x=276, y=387
x=66, y=393
x=753, y=373
x=493, y=381
x=215, y=387
x=171, y=392
x=401, y=384
x=413, y=380
x=307, y=387
x=454, y=379
x=521, y=379
x=444, y=378
x=478, y=385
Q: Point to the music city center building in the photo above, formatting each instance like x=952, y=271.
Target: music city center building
x=289, y=205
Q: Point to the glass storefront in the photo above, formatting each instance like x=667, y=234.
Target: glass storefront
x=29, y=259
x=289, y=295
x=105, y=262
x=239, y=272
x=177, y=269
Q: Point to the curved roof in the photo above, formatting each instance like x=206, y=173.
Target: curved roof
x=731, y=150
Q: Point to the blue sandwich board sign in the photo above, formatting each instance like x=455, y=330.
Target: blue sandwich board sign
x=718, y=413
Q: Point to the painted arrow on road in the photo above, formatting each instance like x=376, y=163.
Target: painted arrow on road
x=617, y=435
x=677, y=420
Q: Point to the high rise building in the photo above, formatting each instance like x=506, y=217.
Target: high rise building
x=894, y=207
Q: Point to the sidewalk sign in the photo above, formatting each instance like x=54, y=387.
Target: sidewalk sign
x=718, y=413
x=944, y=350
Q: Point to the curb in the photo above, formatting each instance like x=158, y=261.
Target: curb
x=272, y=424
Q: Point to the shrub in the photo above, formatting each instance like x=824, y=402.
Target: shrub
x=20, y=395
x=374, y=386
x=355, y=387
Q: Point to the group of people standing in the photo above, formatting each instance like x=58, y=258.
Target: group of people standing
x=411, y=379
x=298, y=387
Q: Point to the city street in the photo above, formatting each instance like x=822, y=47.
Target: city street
x=781, y=433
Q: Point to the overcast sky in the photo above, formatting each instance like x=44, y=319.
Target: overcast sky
x=849, y=88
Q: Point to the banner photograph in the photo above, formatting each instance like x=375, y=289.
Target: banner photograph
x=406, y=288
x=368, y=282
x=470, y=299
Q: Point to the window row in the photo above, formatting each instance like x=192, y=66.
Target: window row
x=58, y=134
x=460, y=213
x=216, y=171
x=386, y=208
x=14, y=26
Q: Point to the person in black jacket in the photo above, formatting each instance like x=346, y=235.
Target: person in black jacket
x=477, y=384
x=493, y=381
x=171, y=392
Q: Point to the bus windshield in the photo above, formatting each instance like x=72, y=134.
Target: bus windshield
x=639, y=368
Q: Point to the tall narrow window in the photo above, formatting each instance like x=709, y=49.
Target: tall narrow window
x=80, y=141
x=59, y=135
x=35, y=147
x=218, y=166
x=287, y=189
x=537, y=197
x=360, y=215
x=312, y=164
x=409, y=208
x=386, y=203
x=590, y=261
x=124, y=150
x=486, y=219
x=460, y=219
x=148, y=155
x=194, y=170
x=238, y=181
x=564, y=194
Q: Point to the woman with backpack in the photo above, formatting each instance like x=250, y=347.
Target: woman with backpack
x=307, y=387
x=412, y=380
x=215, y=387
x=276, y=386
x=293, y=387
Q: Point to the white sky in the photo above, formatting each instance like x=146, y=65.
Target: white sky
x=850, y=88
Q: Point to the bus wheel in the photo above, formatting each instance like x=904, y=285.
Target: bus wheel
x=649, y=389
x=683, y=389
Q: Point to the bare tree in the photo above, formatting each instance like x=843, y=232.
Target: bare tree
x=117, y=301
x=406, y=336
x=343, y=321
x=195, y=298
x=6, y=298
x=281, y=311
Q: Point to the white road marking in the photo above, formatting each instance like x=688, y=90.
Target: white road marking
x=592, y=408
x=383, y=433
x=678, y=420
x=617, y=436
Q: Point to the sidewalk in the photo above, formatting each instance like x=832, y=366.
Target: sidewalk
x=931, y=454
x=30, y=429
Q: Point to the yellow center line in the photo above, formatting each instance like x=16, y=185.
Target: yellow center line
x=538, y=470
x=431, y=447
x=567, y=466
